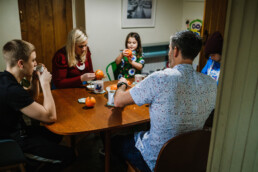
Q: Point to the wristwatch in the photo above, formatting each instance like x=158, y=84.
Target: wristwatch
x=122, y=83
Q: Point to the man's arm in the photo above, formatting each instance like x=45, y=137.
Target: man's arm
x=122, y=97
x=34, y=86
x=47, y=111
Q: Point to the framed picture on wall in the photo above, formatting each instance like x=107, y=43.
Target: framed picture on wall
x=138, y=13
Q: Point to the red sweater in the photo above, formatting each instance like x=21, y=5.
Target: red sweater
x=65, y=76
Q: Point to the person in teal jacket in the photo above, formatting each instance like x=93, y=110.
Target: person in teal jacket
x=213, y=50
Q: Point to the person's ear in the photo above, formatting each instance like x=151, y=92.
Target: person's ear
x=175, y=52
x=20, y=64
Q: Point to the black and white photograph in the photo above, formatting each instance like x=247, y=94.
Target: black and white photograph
x=139, y=9
x=138, y=13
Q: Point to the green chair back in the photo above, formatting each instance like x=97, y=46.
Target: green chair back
x=114, y=69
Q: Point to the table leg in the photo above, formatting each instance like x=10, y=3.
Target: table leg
x=73, y=141
x=107, y=151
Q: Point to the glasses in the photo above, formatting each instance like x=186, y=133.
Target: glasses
x=82, y=46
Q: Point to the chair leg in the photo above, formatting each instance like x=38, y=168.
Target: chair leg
x=131, y=168
x=22, y=168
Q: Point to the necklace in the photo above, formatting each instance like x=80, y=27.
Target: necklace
x=80, y=66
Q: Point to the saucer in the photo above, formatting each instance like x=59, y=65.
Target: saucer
x=110, y=104
x=90, y=87
x=99, y=92
x=81, y=100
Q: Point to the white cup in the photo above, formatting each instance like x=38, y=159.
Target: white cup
x=111, y=94
x=138, y=78
x=98, y=86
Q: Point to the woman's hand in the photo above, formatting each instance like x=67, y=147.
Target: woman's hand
x=87, y=77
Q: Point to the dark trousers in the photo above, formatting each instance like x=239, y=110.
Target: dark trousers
x=124, y=148
x=42, y=149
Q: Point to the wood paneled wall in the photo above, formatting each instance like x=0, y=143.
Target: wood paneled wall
x=45, y=23
x=214, y=20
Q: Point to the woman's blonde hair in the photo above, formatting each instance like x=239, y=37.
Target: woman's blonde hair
x=75, y=36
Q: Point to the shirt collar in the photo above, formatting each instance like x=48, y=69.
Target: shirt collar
x=183, y=66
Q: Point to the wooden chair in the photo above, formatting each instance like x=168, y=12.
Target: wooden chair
x=11, y=156
x=209, y=121
x=183, y=153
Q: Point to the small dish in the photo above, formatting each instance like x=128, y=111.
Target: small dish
x=110, y=104
x=81, y=100
x=90, y=87
x=100, y=92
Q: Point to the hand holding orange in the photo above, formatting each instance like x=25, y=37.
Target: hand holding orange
x=129, y=52
x=90, y=101
x=99, y=74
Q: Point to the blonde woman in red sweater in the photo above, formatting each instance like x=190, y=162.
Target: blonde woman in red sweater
x=71, y=65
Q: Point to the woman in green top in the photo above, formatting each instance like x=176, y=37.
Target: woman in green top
x=129, y=63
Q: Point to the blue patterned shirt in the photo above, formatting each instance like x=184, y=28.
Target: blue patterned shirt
x=180, y=100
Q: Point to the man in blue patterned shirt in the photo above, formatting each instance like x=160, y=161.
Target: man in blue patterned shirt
x=180, y=100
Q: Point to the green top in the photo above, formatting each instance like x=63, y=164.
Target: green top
x=126, y=70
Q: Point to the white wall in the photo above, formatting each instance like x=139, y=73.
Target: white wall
x=106, y=37
x=192, y=9
x=10, y=25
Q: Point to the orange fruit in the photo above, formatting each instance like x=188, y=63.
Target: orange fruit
x=90, y=101
x=113, y=87
x=129, y=83
x=99, y=74
x=130, y=53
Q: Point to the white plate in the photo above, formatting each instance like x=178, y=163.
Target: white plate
x=100, y=92
x=90, y=87
x=111, y=105
x=81, y=100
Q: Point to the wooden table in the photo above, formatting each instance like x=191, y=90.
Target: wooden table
x=74, y=118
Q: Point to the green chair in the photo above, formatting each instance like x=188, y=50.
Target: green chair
x=114, y=69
